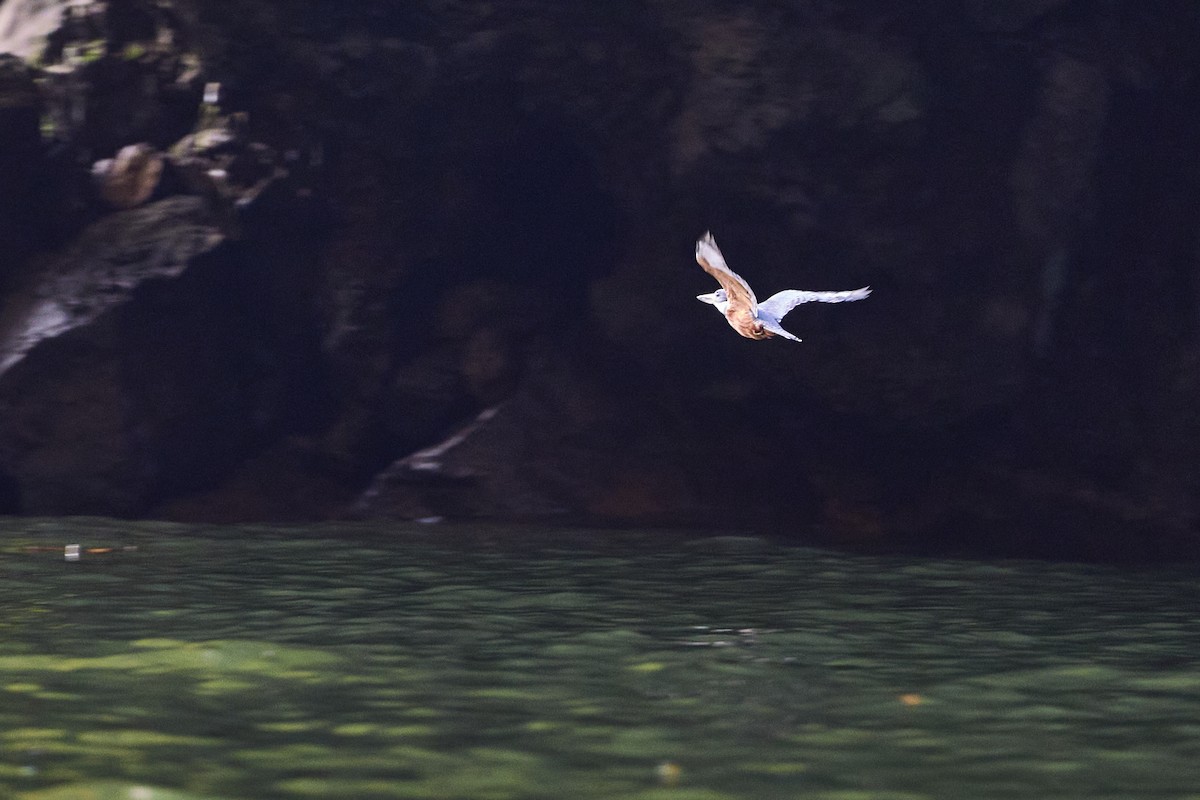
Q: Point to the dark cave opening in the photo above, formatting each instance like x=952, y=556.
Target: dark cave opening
x=512, y=230
x=543, y=225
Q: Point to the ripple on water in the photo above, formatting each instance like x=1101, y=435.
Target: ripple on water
x=389, y=662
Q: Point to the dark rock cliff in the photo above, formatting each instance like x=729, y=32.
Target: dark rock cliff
x=435, y=261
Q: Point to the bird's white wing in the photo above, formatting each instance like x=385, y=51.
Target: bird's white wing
x=777, y=305
x=708, y=256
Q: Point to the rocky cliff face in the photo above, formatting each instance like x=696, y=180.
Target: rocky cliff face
x=436, y=262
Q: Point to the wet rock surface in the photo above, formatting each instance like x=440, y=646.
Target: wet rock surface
x=102, y=267
x=450, y=268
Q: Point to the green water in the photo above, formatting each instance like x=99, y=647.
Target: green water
x=432, y=662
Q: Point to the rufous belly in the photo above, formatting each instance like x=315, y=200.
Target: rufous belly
x=747, y=324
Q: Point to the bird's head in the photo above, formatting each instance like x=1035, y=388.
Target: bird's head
x=717, y=298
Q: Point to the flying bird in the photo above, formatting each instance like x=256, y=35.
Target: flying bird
x=735, y=299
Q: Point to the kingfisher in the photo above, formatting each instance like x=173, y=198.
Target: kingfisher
x=735, y=299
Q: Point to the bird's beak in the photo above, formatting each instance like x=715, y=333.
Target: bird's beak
x=707, y=298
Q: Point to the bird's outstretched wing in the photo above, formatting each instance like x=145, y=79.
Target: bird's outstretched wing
x=777, y=305
x=708, y=256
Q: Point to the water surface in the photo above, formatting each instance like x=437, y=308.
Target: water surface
x=388, y=661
